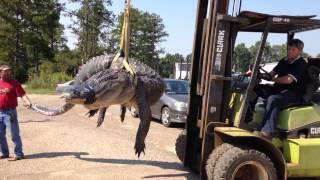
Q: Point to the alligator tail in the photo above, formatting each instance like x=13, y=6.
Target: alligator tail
x=51, y=112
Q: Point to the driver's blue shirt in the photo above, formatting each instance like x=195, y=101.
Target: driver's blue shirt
x=295, y=70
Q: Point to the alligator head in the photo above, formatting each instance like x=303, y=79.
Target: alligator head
x=100, y=90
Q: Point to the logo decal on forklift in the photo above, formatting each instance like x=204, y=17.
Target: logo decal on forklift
x=220, y=44
x=315, y=131
x=280, y=19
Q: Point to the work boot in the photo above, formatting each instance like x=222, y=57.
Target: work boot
x=4, y=156
x=263, y=134
x=16, y=158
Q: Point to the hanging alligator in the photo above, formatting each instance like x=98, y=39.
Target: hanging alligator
x=101, y=83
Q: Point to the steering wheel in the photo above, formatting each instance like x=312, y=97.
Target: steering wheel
x=265, y=75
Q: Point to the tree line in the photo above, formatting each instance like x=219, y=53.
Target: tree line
x=32, y=39
x=244, y=56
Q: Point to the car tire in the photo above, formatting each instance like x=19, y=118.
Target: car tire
x=134, y=112
x=165, y=117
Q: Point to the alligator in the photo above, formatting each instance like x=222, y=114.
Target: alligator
x=101, y=83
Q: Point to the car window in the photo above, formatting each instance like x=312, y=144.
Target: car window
x=177, y=87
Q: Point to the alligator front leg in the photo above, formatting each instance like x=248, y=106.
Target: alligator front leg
x=102, y=113
x=91, y=113
x=123, y=110
x=145, y=117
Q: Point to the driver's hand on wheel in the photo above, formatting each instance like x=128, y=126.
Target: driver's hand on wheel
x=266, y=76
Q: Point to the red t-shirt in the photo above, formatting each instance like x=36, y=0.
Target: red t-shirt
x=13, y=90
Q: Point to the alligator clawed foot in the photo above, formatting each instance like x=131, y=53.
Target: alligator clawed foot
x=139, y=148
x=100, y=121
x=91, y=113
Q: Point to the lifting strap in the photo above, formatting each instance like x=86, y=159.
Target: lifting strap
x=125, y=40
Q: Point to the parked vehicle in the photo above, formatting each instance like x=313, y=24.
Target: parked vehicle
x=172, y=105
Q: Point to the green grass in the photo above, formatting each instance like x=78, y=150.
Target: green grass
x=40, y=91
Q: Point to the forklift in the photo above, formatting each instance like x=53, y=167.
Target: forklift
x=218, y=141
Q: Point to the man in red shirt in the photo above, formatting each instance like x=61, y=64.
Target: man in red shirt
x=10, y=89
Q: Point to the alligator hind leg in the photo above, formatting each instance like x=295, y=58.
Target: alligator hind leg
x=145, y=117
x=123, y=110
x=102, y=113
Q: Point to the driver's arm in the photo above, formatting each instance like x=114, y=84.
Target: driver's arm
x=283, y=79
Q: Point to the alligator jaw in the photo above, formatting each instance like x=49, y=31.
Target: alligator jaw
x=65, y=96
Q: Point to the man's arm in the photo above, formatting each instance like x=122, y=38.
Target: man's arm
x=26, y=101
x=283, y=80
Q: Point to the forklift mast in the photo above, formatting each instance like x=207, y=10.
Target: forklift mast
x=210, y=76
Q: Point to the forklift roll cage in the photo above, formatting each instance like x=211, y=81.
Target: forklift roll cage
x=214, y=42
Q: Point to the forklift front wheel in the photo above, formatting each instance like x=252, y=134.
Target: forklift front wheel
x=242, y=163
x=180, y=145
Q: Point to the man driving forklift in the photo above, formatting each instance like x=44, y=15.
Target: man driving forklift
x=287, y=88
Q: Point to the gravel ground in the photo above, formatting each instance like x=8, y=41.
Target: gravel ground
x=70, y=146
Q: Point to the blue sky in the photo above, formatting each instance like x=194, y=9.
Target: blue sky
x=179, y=19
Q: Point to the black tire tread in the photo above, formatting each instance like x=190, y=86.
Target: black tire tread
x=213, y=158
x=180, y=145
x=226, y=159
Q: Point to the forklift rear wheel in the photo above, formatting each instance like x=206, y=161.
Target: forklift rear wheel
x=165, y=117
x=243, y=163
x=180, y=145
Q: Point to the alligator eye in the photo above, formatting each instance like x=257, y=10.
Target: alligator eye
x=76, y=93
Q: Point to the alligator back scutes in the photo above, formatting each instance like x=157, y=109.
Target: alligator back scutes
x=142, y=69
x=103, y=62
x=94, y=65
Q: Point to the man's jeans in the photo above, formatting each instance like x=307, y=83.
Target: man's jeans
x=9, y=120
x=276, y=100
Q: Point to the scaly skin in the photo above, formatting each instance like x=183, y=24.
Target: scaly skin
x=100, y=84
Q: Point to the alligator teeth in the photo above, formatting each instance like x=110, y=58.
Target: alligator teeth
x=65, y=95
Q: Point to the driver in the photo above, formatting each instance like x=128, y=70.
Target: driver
x=287, y=87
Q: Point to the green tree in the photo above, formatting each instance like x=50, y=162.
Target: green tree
x=267, y=52
x=147, y=31
x=65, y=61
x=29, y=31
x=242, y=58
x=279, y=52
x=167, y=64
x=91, y=26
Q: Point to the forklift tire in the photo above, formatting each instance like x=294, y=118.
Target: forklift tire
x=180, y=145
x=213, y=158
x=243, y=164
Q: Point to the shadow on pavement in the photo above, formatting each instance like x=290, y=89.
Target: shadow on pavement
x=161, y=164
x=186, y=175
x=55, y=154
x=33, y=121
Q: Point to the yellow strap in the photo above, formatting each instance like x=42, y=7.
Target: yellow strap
x=125, y=40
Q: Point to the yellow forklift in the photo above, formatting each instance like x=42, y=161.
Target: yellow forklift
x=218, y=141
